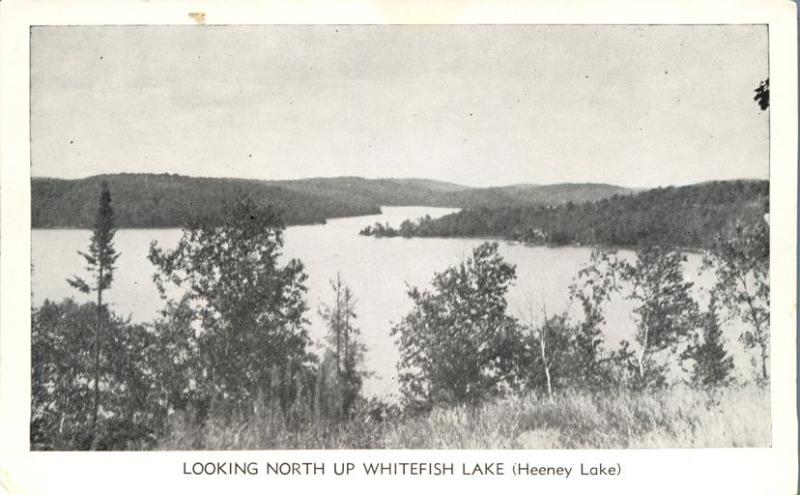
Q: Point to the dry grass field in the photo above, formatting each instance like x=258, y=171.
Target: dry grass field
x=679, y=417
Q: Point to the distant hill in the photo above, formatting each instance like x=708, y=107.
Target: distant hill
x=424, y=192
x=378, y=192
x=433, y=185
x=564, y=193
x=687, y=216
x=144, y=200
x=166, y=200
x=529, y=194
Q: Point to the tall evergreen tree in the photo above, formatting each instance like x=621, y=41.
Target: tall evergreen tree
x=712, y=364
x=100, y=264
x=344, y=342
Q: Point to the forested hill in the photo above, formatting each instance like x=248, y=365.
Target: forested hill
x=163, y=200
x=424, y=192
x=687, y=216
x=141, y=200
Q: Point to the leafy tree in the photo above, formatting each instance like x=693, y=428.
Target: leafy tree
x=344, y=342
x=246, y=309
x=62, y=376
x=458, y=345
x=712, y=364
x=572, y=355
x=175, y=361
x=100, y=264
x=740, y=260
x=593, y=287
x=548, y=345
x=666, y=311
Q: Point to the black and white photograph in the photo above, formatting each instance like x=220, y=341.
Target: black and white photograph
x=396, y=236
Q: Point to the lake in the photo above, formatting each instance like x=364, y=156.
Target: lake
x=379, y=271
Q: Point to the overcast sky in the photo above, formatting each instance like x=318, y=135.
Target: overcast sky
x=636, y=106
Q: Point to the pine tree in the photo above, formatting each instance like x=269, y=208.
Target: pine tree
x=100, y=264
x=344, y=342
x=712, y=364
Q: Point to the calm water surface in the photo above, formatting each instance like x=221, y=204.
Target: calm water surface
x=378, y=271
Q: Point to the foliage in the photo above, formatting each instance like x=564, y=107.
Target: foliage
x=63, y=374
x=168, y=200
x=686, y=216
x=666, y=312
x=547, y=365
x=100, y=263
x=407, y=228
x=227, y=365
x=246, y=309
x=762, y=94
x=712, y=366
x=740, y=261
x=593, y=287
x=344, y=343
x=102, y=255
x=458, y=345
x=576, y=358
x=174, y=359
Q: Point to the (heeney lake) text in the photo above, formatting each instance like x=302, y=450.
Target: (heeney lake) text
x=399, y=469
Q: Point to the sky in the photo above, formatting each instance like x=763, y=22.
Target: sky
x=637, y=106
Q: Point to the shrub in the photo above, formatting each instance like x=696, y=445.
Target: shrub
x=458, y=345
x=63, y=373
x=246, y=308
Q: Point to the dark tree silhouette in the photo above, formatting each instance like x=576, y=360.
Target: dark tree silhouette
x=100, y=263
x=712, y=364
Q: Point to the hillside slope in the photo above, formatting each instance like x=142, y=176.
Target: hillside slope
x=156, y=201
x=164, y=200
x=687, y=216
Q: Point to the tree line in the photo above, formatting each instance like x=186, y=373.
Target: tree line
x=234, y=343
x=687, y=216
x=169, y=200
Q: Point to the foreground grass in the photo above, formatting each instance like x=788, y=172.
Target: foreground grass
x=675, y=418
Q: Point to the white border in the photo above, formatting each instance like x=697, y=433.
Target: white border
x=767, y=471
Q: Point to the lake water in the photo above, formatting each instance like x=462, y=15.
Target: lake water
x=377, y=270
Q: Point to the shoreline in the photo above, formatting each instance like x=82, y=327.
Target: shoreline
x=324, y=222
x=692, y=250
